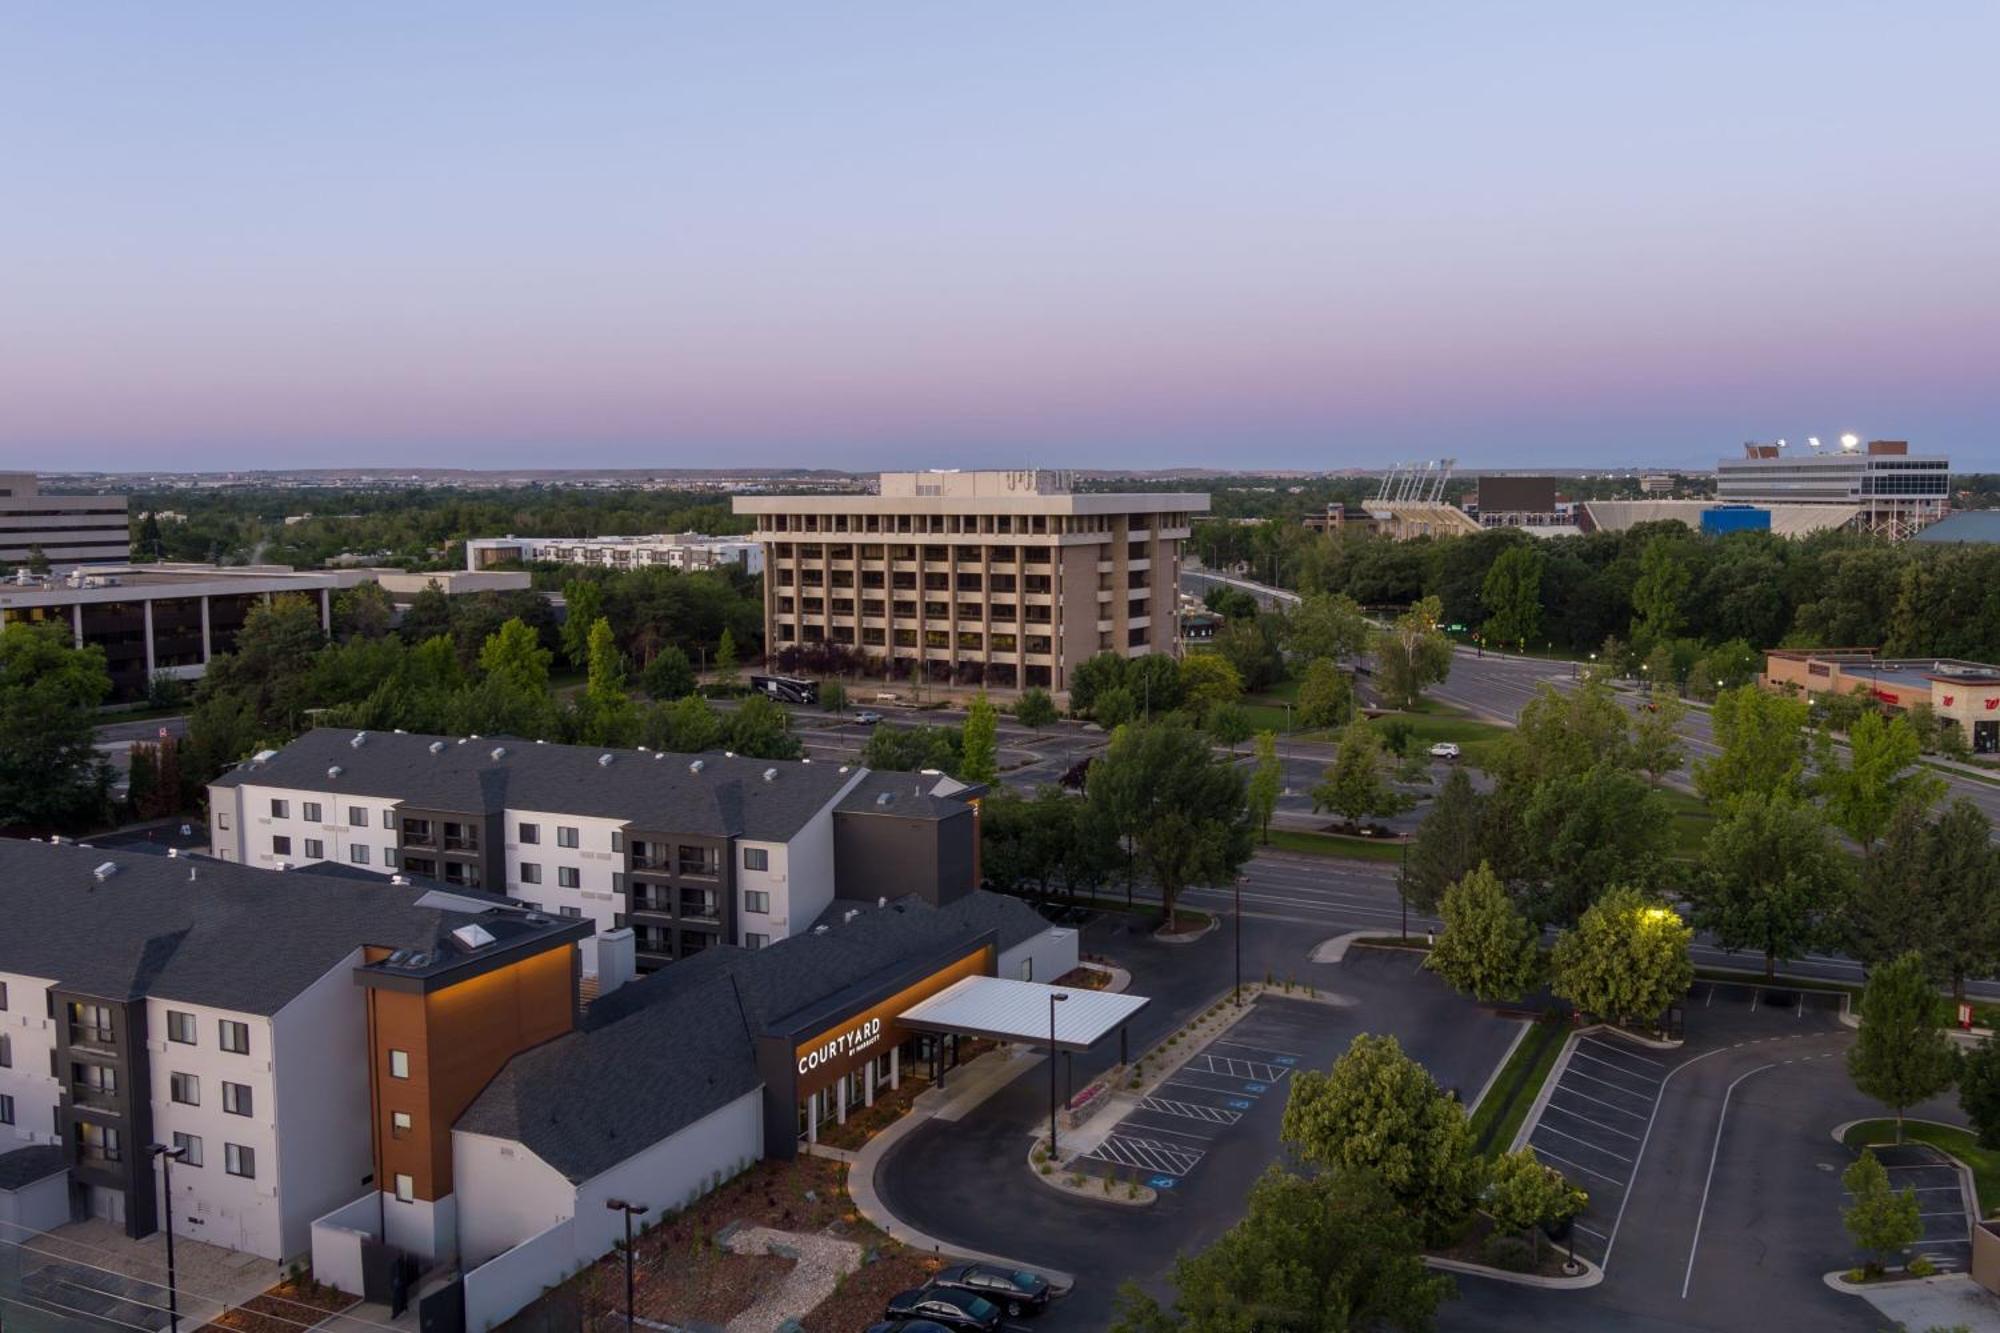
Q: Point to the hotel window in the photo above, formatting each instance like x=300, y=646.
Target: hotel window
x=235, y=1036
x=568, y=877
x=571, y=913
x=617, y=840
x=565, y=836
x=315, y=849
x=190, y=1148
x=754, y=941
x=358, y=854
x=222, y=819
x=530, y=834
x=357, y=816
x=180, y=1027
x=756, y=900
x=389, y=819
x=186, y=1089
x=310, y=812
x=238, y=1160
x=281, y=809
x=236, y=1099
x=756, y=858
x=6, y=1109
x=406, y=1188
x=281, y=846
x=3, y=995
x=400, y=1124
x=6, y=1052
x=399, y=1064
x=530, y=873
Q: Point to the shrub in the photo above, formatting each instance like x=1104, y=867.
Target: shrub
x=1512, y=1253
x=1920, y=1267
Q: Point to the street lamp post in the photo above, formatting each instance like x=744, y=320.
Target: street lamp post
x=168, y=1156
x=620, y=1206
x=1055, y=998
x=1402, y=888
x=1239, y=941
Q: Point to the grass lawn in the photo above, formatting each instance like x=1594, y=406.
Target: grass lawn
x=1985, y=1162
x=1499, y=1117
x=1692, y=819
x=1335, y=844
x=1436, y=723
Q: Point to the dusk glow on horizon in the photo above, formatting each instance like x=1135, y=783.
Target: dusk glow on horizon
x=1299, y=236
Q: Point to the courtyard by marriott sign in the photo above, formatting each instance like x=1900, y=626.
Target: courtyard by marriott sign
x=822, y=1060
x=851, y=1042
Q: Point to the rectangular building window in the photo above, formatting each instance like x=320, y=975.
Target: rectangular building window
x=358, y=854
x=573, y=913
x=565, y=836
x=235, y=1036
x=310, y=812
x=400, y=1124
x=6, y=1109
x=569, y=877
x=280, y=809
x=238, y=1160
x=756, y=858
x=180, y=1027
x=756, y=900
x=617, y=840
x=222, y=819
x=6, y=1052
x=754, y=941
x=281, y=846
x=315, y=849
x=357, y=816
x=190, y=1146
x=236, y=1099
x=530, y=834
x=388, y=819
x=399, y=1064
x=3, y=995
x=530, y=873
x=406, y=1188
x=185, y=1089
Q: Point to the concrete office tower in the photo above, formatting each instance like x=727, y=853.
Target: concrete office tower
x=1006, y=579
x=68, y=530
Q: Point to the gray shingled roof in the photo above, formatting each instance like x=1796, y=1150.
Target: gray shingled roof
x=230, y=936
x=727, y=797
x=910, y=795
x=25, y=1166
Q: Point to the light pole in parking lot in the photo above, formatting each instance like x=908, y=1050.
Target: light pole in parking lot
x=1402, y=888
x=168, y=1156
x=620, y=1206
x=1055, y=998
x=1239, y=941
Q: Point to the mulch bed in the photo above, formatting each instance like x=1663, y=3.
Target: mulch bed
x=865, y=1122
x=285, y=1308
x=863, y=1295
x=1471, y=1247
x=1084, y=978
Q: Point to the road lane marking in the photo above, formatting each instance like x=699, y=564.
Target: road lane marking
x=1694, y=1246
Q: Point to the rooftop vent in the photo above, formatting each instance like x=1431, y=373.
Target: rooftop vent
x=437, y=747
x=729, y=754
x=334, y=770
x=882, y=901
x=173, y=853
x=695, y=765
x=417, y=960
x=849, y=915
x=498, y=753
x=770, y=775
x=604, y=761
x=843, y=768
x=536, y=919
x=659, y=754
x=282, y=865
x=885, y=798
x=806, y=760
x=473, y=936
x=360, y=739
x=819, y=930
x=105, y=871
x=399, y=879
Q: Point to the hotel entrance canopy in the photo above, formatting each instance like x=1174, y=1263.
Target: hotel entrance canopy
x=1018, y=1011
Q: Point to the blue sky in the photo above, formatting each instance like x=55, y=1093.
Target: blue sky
x=867, y=235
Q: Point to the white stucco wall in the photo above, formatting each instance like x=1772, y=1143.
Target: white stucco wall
x=596, y=864
x=426, y=1229
x=799, y=877
x=506, y=1194
x=336, y=1243
x=211, y=1205
x=40, y=1205
x=255, y=826
x=31, y=1036
x=502, y=1287
x=321, y=1074
x=1043, y=956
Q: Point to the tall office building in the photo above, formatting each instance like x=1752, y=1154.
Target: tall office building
x=1887, y=488
x=66, y=529
x=1007, y=579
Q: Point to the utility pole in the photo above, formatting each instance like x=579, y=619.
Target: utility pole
x=1055, y=998
x=620, y=1206
x=168, y=1156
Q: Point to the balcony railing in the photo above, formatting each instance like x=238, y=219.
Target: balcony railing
x=95, y=1098
x=462, y=843
x=81, y=1034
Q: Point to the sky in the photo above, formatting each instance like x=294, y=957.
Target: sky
x=859, y=235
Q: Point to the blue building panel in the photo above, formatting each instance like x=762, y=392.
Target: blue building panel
x=1725, y=519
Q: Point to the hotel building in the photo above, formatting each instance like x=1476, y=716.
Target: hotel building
x=1007, y=579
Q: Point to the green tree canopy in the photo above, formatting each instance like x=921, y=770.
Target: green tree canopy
x=1565, y=733
x=1356, y=785
x=1183, y=809
x=1657, y=746
x=1413, y=654
x=1034, y=708
x=1626, y=959
x=1762, y=740
x=1208, y=681
x=1771, y=875
x=583, y=600
x=1512, y=595
x=761, y=729
x=1902, y=1055
x=1582, y=832
x=1660, y=595
x=669, y=675
x=1979, y=1090
x=1447, y=844
x=1487, y=949
x=1882, y=1220
x=606, y=714
x=910, y=749
x=726, y=664
x=1091, y=677
x=688, y=725
x=1880, y=774
x=979, y=759
x=51, y=777
x=1326, y=696
x=1229, y=724
x=1326, y=625
x=1267, y=783
x=1525, y=1195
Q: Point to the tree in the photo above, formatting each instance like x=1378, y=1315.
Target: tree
x=1155, y=683
x=1527, y=1196
x=688, y=725
x=1267, y=783
x=1761, y=737
x=1581, y=832
x=669, y=675
x=1660, y=596
x=1326, y=696
x=1882, y=773
x=1208, y=681
x=1327, y=1252
x=1882, y=1220
x=1329, y=625
x=51, y=776
x=1487, y=949
x=1376, y=1109
x=1034, y=708
x=1960, y=921
x=761, y=729
x=1412, y=654
x=515, y=658
x=584, y=603
x=833, y=696
x=606, y=713
x=1114, y=707
x=1512, y=595
x=725, y=658
x=1183, y=809
x=364, y=611
x=1627, y=958
x=1356, y=784
x=1889, y=909
x=1979, y=1090
x=1902, y=1055
x=980, y=758
x=1446, y=847
x=151, y=545
x=1770, y=876
x=1657, y=746
x=1565, y=734
x=910, y=749
x=1092, y=677
x=1229, y=724
x=1254, y=647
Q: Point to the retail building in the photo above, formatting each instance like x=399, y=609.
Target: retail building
x=1964, y=693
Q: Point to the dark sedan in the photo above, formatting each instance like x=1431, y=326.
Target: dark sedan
x=1014, y=1291
x=953, y=1309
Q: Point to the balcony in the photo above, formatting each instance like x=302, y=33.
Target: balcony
x=85, y=1035
x=97, y=1099
x=463, y=842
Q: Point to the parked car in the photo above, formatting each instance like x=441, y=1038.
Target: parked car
x=867, y=717
x=908, y=1326
x=1444, y=750
x=1016, y=1292
x=953, y=1309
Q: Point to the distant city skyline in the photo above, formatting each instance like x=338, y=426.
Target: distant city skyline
x=893, y=235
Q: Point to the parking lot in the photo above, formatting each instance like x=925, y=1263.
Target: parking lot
x=1941, y=1202
x=1168, y=1134
x=1594, y=1125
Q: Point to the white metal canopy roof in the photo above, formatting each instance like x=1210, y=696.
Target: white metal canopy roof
x=1008, y=1010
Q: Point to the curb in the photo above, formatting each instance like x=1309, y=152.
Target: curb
x=1524, y=1027
x=1589, y=1277
x=1054, y=1178
x=1968, y=1183
x=1838, y=1281
x=1190, y=937
x=1541, y=1102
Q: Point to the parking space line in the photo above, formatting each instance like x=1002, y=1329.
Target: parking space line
x=1596, y=1101
x=1224, y=1041
x=1630, y=1055
x=1213, y=1115
x=1694, y=1246
x=1543, y=1152
x=1587, y=1231
x=1578, y=1073
x=1599, y=1124
x=1627, y=1073
x=1161, y=1129
x=1235, y=1089
x=1585, y=1142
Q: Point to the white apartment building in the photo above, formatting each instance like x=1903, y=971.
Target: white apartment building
x=667, y=550
x=65, y=530
x=1007, y=579
x=688, y=851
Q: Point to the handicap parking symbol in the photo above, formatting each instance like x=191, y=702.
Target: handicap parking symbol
x=1256, y=1087
x=1286, y=1060
x=1239, y=1103
x=1163, y=1182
